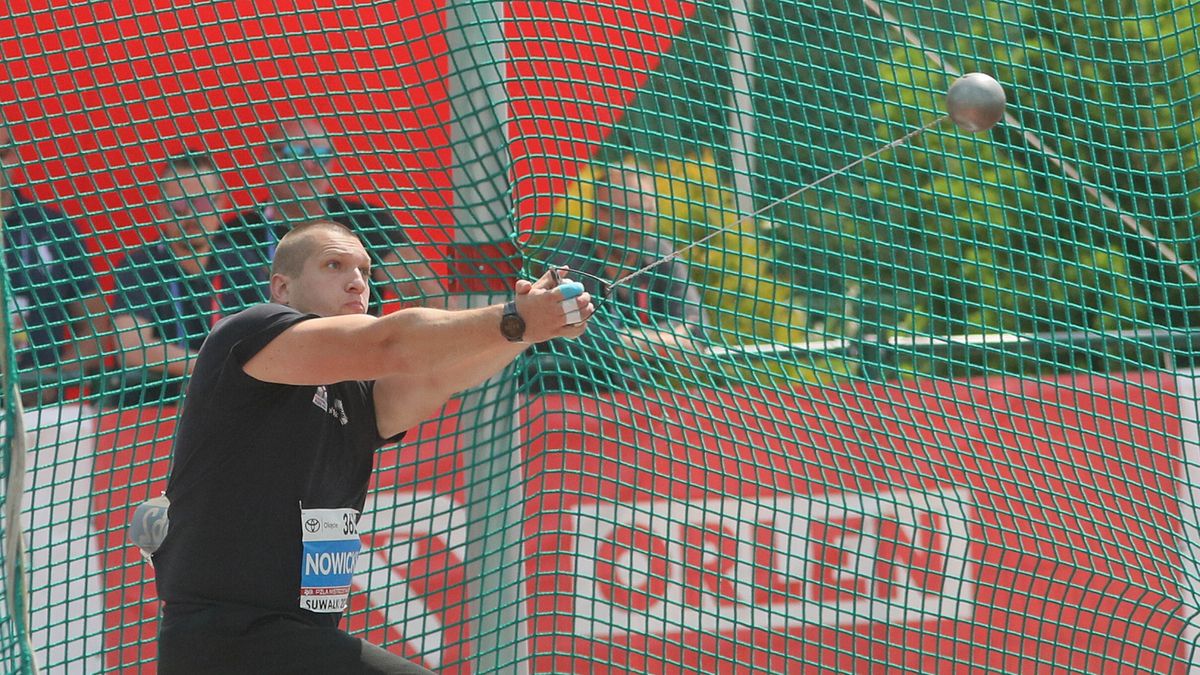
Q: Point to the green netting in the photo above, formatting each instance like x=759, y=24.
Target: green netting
x=937, y=414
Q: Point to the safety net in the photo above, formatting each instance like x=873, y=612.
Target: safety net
x=865, y=391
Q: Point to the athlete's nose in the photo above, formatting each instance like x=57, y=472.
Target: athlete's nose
x=358, y=282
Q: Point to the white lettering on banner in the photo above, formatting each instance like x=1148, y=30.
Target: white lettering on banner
x=772, y=563
x=403, y=517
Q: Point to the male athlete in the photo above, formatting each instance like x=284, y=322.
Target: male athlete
x=286, y=406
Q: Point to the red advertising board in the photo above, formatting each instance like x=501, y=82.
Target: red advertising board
x=99, y=95
x=994, y=525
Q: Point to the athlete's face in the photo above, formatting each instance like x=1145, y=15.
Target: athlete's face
x=335, y=278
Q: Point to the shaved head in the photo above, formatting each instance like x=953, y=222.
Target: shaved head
x=321, y=268
x=298, y=245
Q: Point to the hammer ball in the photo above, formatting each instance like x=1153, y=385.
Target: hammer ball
x=975, y=102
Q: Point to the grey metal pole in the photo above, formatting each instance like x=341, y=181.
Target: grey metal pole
x=479, y=116
x=491, y=441
x=740, y=51
x=17, y=591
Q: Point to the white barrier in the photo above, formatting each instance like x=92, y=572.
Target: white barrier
x=65, y=573
x=1188, y=384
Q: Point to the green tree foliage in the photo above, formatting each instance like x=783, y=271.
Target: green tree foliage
x=954, y=233
x=746, y=303
x=805, y=113
x=1177, y=40
x=992, y=236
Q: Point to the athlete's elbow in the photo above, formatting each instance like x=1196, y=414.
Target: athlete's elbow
x=395, y=355
x=390, y=359
x=403, y=347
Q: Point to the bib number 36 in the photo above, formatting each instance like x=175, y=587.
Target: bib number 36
x=330, y=554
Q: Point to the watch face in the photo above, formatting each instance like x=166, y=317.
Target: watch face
x=512, y=326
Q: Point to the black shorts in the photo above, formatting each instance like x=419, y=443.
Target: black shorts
x=244, y=640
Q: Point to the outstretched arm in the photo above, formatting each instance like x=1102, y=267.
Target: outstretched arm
x=421, y=349
x=402, y=402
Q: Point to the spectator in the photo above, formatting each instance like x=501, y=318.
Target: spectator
x=413, y=281
x=299, y=164
x=653, y=317
x=170, y=293
x=57, y=314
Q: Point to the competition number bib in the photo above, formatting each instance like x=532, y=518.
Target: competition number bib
x=331, y=547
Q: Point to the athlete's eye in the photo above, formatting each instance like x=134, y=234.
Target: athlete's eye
x=334, y=265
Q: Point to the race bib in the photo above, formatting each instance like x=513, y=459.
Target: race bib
x=331, y=547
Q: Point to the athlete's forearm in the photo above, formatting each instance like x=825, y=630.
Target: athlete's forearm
x=467, y=346
x=456, y=344
x=475, y=369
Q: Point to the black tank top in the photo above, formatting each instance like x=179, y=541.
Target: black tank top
x=248, y=455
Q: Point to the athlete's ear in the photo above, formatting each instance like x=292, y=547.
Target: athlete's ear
x=280, y=289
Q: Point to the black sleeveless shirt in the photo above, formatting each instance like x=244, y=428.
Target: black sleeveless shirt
x=248, y=455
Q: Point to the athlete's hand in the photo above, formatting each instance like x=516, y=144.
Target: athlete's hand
x=540, y=304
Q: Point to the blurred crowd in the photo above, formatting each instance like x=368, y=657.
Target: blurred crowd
x=138, y=342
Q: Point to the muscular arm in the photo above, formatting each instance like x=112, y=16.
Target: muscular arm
x=419, y=357
x=402, y=402
x=411, y=342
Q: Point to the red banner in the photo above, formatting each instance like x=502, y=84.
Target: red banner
x=993, y=525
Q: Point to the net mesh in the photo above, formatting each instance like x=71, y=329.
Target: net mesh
x=937, y=414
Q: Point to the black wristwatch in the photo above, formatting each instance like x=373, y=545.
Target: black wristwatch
x=512, y=326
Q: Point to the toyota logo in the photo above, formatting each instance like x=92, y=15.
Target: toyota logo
x=312, y=524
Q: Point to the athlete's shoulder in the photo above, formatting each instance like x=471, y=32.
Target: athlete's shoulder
x=263, y=310
x=255, y=318
x=248, y=331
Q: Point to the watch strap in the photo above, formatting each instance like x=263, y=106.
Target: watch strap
x=512, y=325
